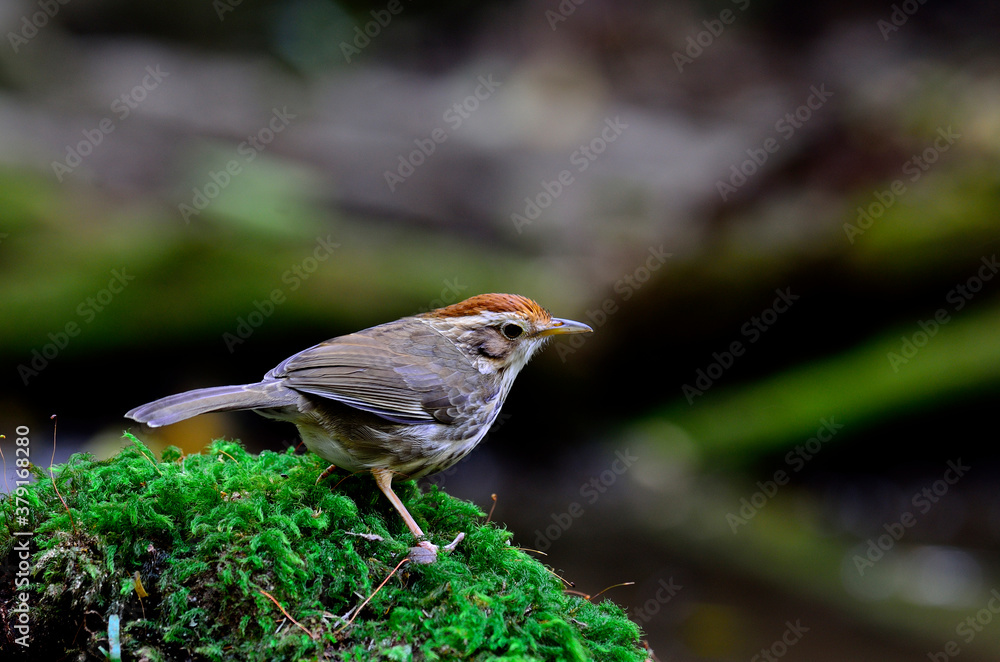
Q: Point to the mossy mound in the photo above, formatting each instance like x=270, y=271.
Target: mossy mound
x=211, y=536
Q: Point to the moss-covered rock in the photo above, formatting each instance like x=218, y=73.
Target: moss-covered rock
x=221, y=539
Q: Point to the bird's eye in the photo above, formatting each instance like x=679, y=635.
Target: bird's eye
x=511, y=331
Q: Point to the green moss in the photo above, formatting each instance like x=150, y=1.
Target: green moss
x=210, y=534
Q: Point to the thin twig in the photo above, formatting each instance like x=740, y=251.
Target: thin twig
x=368, y=599
x=591, y=597
x=53, y=476
x=613, y=586
x=287, y=615
x=145, y=457
x=229, y=456
x=557, y=576
x=494, y=497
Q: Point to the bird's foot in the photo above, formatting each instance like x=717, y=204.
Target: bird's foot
x=426, y=552
x=454, y=543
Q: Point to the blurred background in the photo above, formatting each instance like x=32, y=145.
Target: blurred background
x=780, y=218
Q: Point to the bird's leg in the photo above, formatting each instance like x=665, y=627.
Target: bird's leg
x=425, y=551
x=326, y=472
x=384, y=479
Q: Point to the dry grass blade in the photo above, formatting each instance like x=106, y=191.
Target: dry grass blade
x=53, y=476
x=368, y=599
x=287, y=615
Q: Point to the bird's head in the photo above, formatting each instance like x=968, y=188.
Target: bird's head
x=500, y=332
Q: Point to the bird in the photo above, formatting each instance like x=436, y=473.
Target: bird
x=400, y=400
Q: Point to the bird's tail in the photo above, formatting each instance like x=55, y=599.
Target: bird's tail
x=174, y=408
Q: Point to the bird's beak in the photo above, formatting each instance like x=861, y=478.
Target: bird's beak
x=561, y=326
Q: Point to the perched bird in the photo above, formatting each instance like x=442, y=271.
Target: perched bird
x=403, y=399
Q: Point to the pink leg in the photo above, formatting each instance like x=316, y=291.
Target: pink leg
x=384, y=479
x=425, y=551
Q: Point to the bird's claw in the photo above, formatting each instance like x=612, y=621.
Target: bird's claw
x=426, y=552
x=423, y=553
x=454, y=543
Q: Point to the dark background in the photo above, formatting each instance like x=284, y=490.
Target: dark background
x=602, y=460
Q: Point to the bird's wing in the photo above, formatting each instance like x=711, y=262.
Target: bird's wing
x=405, y=372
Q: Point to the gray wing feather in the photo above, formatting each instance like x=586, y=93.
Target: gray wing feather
x=385, y=370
